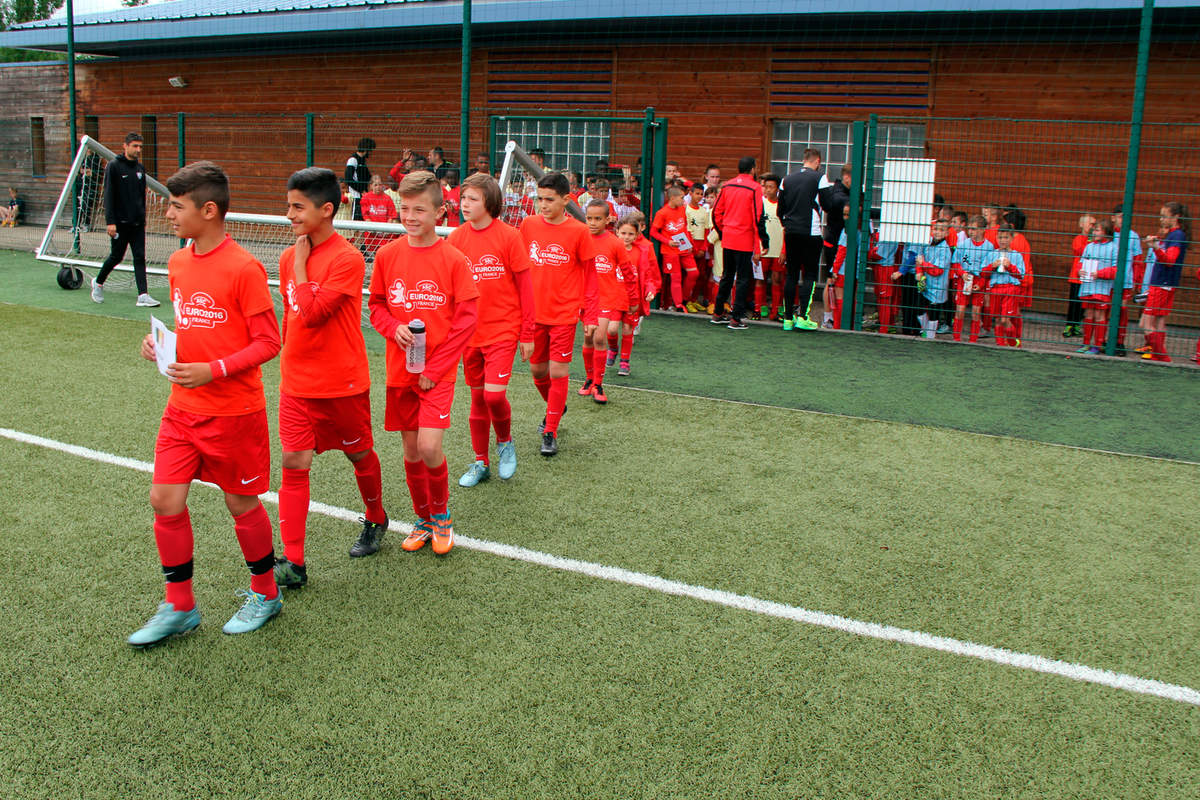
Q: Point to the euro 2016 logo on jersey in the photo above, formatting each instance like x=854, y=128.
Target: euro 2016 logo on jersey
x=487, y=268
x=551, y=255
x=199, y=311
x=603, y=264
x=425, y=294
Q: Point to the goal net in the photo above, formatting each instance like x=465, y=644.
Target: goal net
x=76, y=233
x=519, y=175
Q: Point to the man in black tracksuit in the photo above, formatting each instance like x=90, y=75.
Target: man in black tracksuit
x=801, y=216
x=125, y=218
x=358, y=175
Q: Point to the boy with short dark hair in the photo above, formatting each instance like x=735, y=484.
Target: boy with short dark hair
x=214, y=427
x=560, y=250
x=421, y=278
x=325, y=380
x=669, y=229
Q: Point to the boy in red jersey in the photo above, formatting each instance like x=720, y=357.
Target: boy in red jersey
x=643, y=265
x=500, y=266
x=669, y=228
x=215, y=424
x=422, y=278
x=376, y=206
x=616, y=285
x=324, y=391
x=560, y=250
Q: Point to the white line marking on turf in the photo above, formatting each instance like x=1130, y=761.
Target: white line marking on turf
x=872, y=630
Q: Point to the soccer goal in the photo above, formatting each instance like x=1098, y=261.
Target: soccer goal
x=76, y=236
x=518, y=179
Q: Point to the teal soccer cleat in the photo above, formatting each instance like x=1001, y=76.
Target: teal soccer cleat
x=165, y=623
x=254, y=613
x=476, y=474
x=508, y=459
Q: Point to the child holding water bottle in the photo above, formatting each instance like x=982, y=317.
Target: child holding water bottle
x=422, y=302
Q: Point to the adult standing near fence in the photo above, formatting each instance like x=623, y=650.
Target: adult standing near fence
x=739, y=221
x=802, y=237
x=125, y=218
x=358, y=175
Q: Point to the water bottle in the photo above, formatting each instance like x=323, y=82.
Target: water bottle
x=416, y=351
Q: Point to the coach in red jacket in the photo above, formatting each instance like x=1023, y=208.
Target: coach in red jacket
x=738, y=219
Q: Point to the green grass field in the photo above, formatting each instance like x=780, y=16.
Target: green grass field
x=480, y=676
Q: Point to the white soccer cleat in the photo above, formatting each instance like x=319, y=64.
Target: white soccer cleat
x=146, y=301
x=97, y=292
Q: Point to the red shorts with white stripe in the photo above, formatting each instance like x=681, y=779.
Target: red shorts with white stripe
x=492, y=363
x=325, y=423
x=232, y=452
x=408, y=408
x=1096, y=302
x=1159, y=300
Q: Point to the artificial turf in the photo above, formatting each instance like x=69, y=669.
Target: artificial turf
x=475, y=676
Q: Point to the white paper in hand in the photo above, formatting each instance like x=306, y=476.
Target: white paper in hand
x=682, y=242
x=164, y=344
x=756, y=269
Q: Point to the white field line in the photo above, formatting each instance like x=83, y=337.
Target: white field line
x=888, y=633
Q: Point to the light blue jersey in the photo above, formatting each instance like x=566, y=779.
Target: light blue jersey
x=1097, y=256
x=936, y=286
x=1013, y=273
x=974, y=257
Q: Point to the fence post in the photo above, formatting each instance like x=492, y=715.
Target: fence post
x=861, y=268
x=464, y=122
x=308, y=140
x=849, y=289
x=492, y=122
x=181, y=135
x=660, y=163
x=644, y=182
x=1131, y=167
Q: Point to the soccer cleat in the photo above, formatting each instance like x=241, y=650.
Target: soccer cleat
x=420, y=534
x=368, y=540
x=611, y=358
x=1094, y=351
x=806, y=324
x=97, y=292
x=944, y=328
x=827, y=324
x=549, y=444
x=1083, y=349
x=289, y=574
x=789, y=324
x=1143, y=349
x=476, y=474
x=623, y=369
x=719, y=319
x=737, y=325
x=764, y=312
x=165, y=623
x=586, y=389
x=255, y=612
x=443, y=534
x=598, y=394
x=508, y=459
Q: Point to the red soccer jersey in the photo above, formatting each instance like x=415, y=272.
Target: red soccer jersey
x=328, y=359
x=213, y=296
x=495, y=254
x=452, y=201
x=425, y=283
x=613, y=273
x=1078, y=245
x=377, y=207
x=559, y=255
x=669, y=223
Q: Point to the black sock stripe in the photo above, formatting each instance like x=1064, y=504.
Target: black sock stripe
x=178, y=573
x=262, y=565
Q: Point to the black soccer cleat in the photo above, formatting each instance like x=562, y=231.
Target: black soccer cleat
x=289, y=574
x=368, y=541
x=549, y=444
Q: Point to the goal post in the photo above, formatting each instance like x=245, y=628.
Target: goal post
x=76, y=236
x=519, y=175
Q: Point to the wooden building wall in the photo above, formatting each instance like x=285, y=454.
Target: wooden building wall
x=719, y=107
x=28, y=91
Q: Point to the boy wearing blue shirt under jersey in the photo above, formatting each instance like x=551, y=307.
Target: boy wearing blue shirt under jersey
x=933, y=278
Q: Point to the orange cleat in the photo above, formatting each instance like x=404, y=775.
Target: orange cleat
x=443, y=533
x=421, y=533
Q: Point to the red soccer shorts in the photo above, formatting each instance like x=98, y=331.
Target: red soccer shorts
x=232, y=452
x=673, y=261
x=774, y=264
x=836, y=281
x=325, y=423
x=1159, y=300
x=408, y=408
x=883, y=280
x=617, y=315
x=975, y=298
x=492, y=363
x=1097, y=302
x=1007, y=300
x=554, y=343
